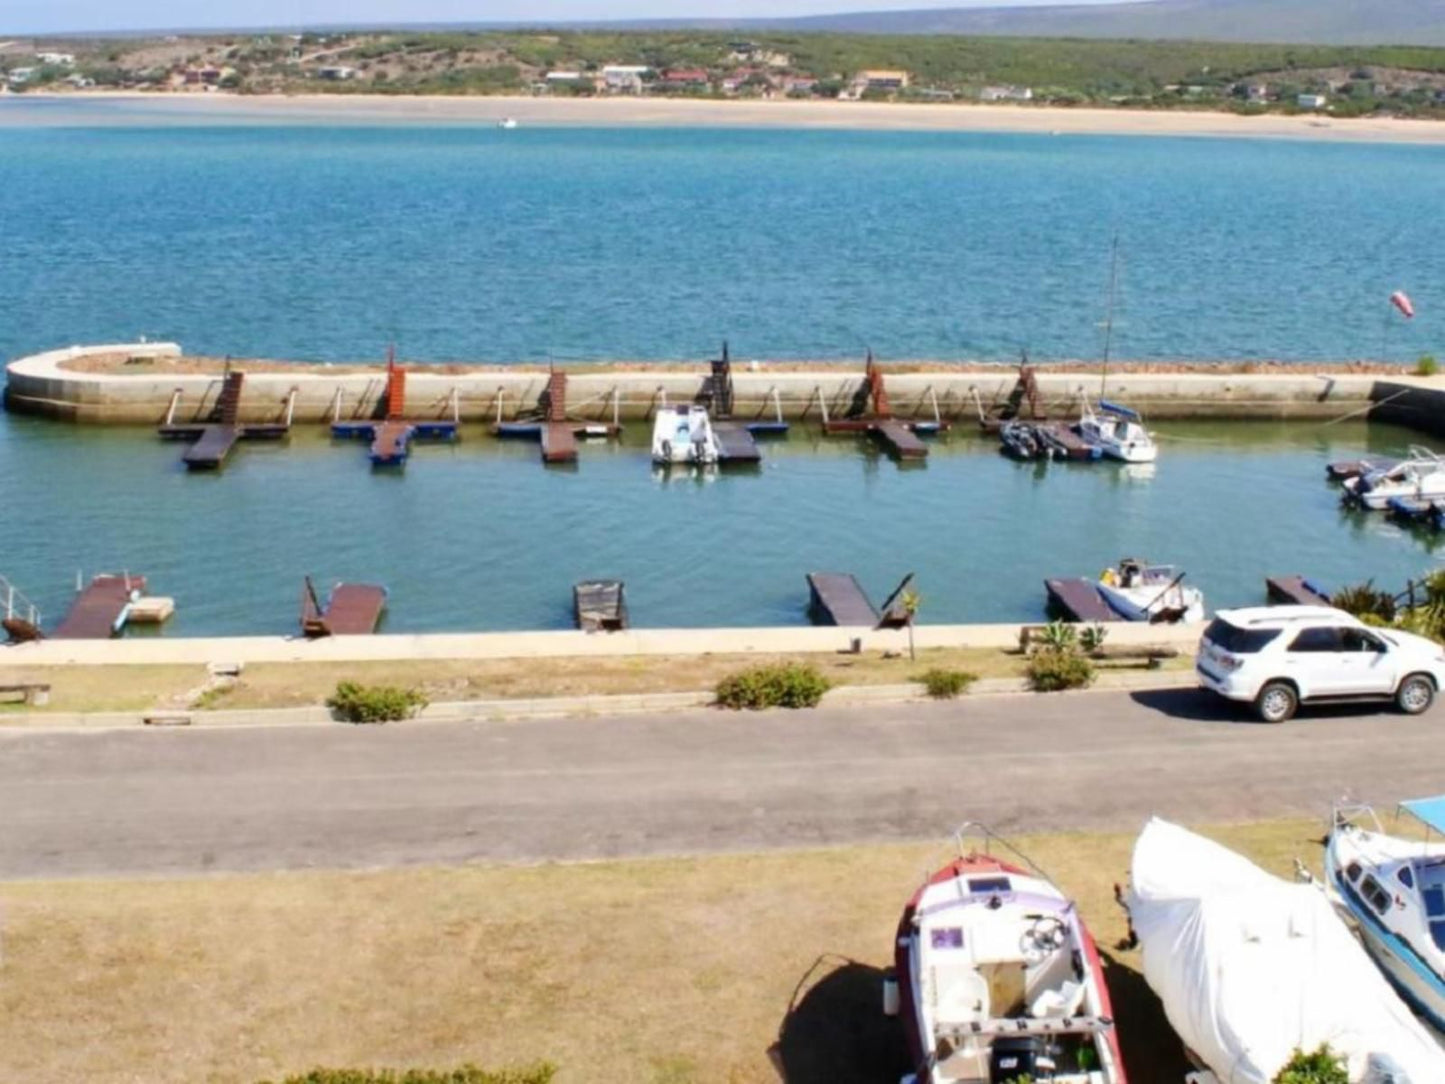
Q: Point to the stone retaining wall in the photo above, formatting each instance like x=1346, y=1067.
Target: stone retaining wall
x=42, y=384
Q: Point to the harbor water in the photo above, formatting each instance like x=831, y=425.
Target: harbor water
x=471, y=243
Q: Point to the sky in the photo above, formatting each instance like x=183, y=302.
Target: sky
x=59, y=16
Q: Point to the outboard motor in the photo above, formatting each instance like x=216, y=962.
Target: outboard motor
x=1019, y=1057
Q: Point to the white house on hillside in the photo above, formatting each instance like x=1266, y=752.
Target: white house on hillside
x=1312, y=101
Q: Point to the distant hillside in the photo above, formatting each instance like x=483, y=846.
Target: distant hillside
x=1328, y=22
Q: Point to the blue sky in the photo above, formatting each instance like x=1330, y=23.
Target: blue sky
x=49, y=16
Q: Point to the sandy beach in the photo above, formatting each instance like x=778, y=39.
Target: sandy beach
x=92, y=108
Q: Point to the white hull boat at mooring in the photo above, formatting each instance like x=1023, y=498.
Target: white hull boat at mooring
x=997, y=980
x=1393, y=890
x=1117, y=432
x=1250, y=968
x=1138, y=591
x=683, y=437
x=1419, y=478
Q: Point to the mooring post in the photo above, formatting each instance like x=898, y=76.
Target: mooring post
x=777, y=404
x=822, y=405
x=456, y=407
x=501, y=394
x=616, y=407
x=336, y=405
x=290, y=407
x=937, y=414
x=171, y=410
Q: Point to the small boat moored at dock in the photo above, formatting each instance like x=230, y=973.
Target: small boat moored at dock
x=1139, y=591
x=1117, y=432
x=1418, y=478
x=683, y=436
x=1393, y=891
x=997, y=978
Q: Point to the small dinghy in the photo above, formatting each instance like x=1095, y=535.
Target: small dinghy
x=1117, y=432
x=998, y=980
x=1419, y=478
x=1250, y=968
x=683, y=437
x=1139, y=591
x=1021, y=440
x=1393, y=890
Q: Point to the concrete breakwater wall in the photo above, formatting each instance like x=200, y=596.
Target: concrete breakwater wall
x=142, y=390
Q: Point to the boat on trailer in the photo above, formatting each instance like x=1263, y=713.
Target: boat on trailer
x=683, y=436
x=1393, y=891
x=1139, y=591
x=997, y=978
x=1250, y=967
x=1117, y=432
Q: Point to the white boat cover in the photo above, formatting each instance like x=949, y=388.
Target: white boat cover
x=1250, y=966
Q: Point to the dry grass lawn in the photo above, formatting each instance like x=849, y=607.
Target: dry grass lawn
x=284, y=685
x=718, y=970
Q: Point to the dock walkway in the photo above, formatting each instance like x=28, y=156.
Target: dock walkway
x=1079, y=600
x=212, y=441
x=838, y=599
x=391, y=435
x=600, y=606
x=899, y=438
x=99, y=611
x=736, y=444
x=1294, y=591
x=353, y=609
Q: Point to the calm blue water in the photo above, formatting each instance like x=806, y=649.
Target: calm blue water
x=482, y=244
x=472, y=243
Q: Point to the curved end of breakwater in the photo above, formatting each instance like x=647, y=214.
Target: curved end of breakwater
x=141, y=383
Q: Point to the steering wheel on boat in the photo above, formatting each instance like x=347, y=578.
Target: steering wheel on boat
x=1046, y=934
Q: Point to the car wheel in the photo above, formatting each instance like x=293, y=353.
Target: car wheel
x=1276, y=702
x=1415, y=694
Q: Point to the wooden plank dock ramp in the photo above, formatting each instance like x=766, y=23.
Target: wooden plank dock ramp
x=899, y=440
x=838, y=599
x=391, y=443
x=1294, y=591
x=736, y=445
x=600, y=606
x=99, y=610
x=1079, y=600
x=353, y=609
x=391, y=433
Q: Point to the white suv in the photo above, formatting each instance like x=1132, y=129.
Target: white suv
x=1276, y=657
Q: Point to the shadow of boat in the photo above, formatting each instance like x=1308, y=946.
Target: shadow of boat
x=1146, y=1038
x=835, y=1031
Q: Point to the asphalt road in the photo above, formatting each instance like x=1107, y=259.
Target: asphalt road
x=175, y=801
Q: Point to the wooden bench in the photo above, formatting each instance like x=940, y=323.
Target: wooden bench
x=34, y=694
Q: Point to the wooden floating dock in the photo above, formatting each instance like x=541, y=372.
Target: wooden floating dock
x=737, y=439
x=736, y=445
x=353, y=609
x=101, y=608
x=550, y=427
x=600, y=606
x=1079, y=600
x=871, y=412
x=392, y=434
x=837, y=598
x=213, y=441
x=1294, y=591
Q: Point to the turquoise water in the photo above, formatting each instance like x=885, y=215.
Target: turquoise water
x=582, y=244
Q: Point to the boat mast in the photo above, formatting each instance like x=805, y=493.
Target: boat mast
x=1109, y=313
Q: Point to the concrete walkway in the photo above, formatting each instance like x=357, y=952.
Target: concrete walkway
x=179, y=802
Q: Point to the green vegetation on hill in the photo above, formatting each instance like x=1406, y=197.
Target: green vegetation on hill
x=1404, y=80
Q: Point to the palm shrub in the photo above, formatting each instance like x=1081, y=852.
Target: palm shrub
x=1059, y=636
x=1320, y=1066
x=1365, y=599
x=353, y=702
x=773, y=685
x=1093, y=637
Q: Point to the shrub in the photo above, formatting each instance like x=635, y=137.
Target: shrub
x=945, y=684
x=541, y=1073
x=1323, y=1066
x=1364, y=598
x=1427, y=365
x=356, y=703
x=1051, y=671
x=1059, y=636
x=1093, y=637
x=777, y=685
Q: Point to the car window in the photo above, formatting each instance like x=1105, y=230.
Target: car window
x=1360, y=640
x=1316, y=640
x=1235, y=640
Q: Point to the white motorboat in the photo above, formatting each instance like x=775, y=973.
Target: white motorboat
x=997, y=979
x=1117, y=432
x=507, y=123
x=683, y=436
x=1393, y=890
x=1421, y=477
x=1250, y=967
x=1139, y=591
